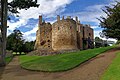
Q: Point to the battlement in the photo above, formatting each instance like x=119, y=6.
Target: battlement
x=68, y=17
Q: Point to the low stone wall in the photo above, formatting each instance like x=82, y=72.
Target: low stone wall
x=50, y=52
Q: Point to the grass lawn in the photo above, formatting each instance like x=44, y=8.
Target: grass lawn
x=8, y=59
x=113, y=71
x=59, y=62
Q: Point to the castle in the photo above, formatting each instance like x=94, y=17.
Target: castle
x=64, y=34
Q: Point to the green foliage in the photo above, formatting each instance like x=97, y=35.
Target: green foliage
x=111, y=23
x=29, y=46
x=98, y=39
x=8, y=59
x=113, y=71
x=15, y=41
x=100, y=43
x=59, y=62
x=21, y=4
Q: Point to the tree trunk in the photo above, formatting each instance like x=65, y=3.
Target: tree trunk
x=3, y=31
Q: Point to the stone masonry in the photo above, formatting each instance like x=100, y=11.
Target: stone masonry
x=65, y=34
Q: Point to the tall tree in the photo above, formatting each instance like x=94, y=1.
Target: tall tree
x=15, y=41
x=12, y=6
x=3, y=29
x=111, y=23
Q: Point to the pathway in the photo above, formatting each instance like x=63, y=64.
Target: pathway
x=90, y=70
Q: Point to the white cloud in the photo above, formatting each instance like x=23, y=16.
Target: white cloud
x=17, y=24
x=95, y=27
x=90, y=14
x=9, y=1
x=28, y=35
x=50, y=8
x=47, y=8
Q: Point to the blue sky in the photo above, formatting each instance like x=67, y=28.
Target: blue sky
x=86, y=10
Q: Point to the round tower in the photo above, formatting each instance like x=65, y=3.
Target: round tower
x=64, y=35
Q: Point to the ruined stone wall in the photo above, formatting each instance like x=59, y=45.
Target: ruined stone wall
x=64, y=35
x=44, y=36
x=88, y=33
x=37, y=42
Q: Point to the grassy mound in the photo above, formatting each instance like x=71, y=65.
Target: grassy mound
x=59, y=62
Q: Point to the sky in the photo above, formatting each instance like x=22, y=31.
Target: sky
x=87, y=11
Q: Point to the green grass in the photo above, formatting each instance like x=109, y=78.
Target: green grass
x=113, y=71
x=8, y=59
x=59, y=62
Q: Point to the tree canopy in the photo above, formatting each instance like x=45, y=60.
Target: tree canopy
x=111, y=23
x=21, y=4
x=16, y=43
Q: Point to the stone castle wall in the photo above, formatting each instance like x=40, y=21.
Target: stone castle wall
x=88, y=34
x=65, y=34
x=44, y=36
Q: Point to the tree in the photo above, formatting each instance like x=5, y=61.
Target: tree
x=111, y=23
x=12, y=6
x=29, y=46
x=98, y=42
x=15, y=41
x=21, y=4
x=3, y=29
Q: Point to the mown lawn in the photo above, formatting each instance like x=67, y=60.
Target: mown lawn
x=59, y=62
x=113, y=71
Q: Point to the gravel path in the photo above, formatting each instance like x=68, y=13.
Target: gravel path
x=90, y=70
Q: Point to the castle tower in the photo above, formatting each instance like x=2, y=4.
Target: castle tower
x=64, y=35
x=43, y=35
x=88, y=35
